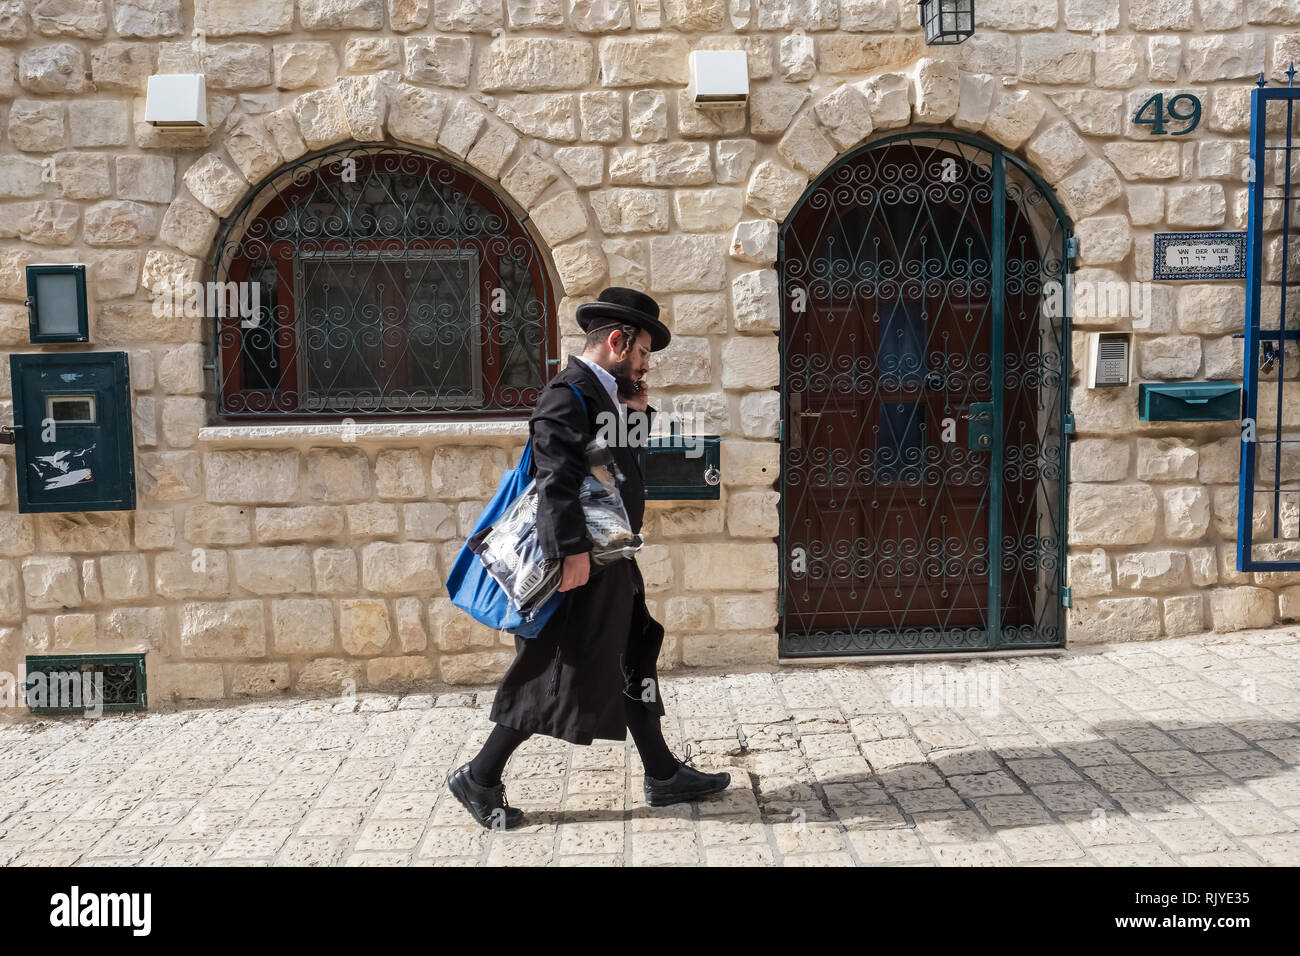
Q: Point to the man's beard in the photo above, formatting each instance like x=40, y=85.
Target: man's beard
x=622, y=372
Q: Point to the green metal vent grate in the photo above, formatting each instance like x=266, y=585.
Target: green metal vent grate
x=85, y=683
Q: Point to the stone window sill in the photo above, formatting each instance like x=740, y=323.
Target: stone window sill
x=448, y=432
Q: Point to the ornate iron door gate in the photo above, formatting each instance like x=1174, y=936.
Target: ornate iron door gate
x=925, y=356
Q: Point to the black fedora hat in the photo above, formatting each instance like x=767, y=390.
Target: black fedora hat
x=617, y=305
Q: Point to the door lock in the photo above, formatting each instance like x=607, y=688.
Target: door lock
x=8, y=436
x=979, y=433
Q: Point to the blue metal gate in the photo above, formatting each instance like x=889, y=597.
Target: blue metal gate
x=1268, y=498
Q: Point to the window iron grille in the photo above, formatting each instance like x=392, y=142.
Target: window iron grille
x=82, y=683
x=379, y=281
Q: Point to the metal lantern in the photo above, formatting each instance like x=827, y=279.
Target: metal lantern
x=947, y=21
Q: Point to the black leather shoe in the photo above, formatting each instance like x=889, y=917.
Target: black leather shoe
x=686, y=784
x=487, y=805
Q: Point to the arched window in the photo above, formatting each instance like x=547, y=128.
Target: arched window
x=382, y=282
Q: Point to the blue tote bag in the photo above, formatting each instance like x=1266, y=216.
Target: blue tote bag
x=475, y=591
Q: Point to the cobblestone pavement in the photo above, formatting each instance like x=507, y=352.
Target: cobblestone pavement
x=1174, y=752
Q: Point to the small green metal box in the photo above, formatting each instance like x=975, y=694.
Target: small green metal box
x=1189, y=401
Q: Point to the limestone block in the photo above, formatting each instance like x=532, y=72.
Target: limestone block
x=684, y=362
x=119, y=223
x=563, y=217
x=125, y=577
x=1164, y=56
x=429, y=520
x=180, y=371
x=889, y=97
x=642, y=61
x=753, y=514
x=936, y=94
x=581, y=266
x=1014, y=116
x=218, y=524
x=228, y=629
x=846, y=116
x=169, y=476
x=622, y=210
x=1089, y=574
x=50, y=582
x=237, y=66
x=865, y=54
x=322, y=120
x=247, y=476
x=1233, y=609
x=759, y=414
x=438, y=60
x=1145, y=160
x=466, y=471
x=370, y=54
x=147, y=19
x=121, y=67
x=17, y=534
x=410, y=625
x=462, y=128
x=661, y=164
x=629, y=265
x=806, y=146
x=755, y=240
x=336, y=475
x=409, y=567
x=370, y=519
x=481, y=667
x=755, y=301
x=1210, y=309
x=699, y=314
x=1094, y=112
x=797, y=61
x=585, y=165
x=773, y=189
x=1170, y=356
x=414, y=114
x=364, y=626
x=707, y=210
x=335, y=569
x=145, y=178
x=550, y=116
x=302, y=64
x=77, y=175
x=975, y=93
x=467, y=16
x=647, y=116
x=234, y=17
x=215, y=184
x=88, y=531
x=1152, y=571
x=1187, y=512
x=750, y=463
x=1166, y=459
x=1099, y=459
x=1223, y=358
x=365, y=105
x=282, y=570
x=341, y=14
x=1212, y=58
x=677, y=522
x=1104, y=239
x=687, y=263
x=601, y=113
x=771, y=108
x=530, y=64
x=37, y=127
x=691, y=613
x=1202, y=205
x=1112, y=514
x=283, y=127
x=298, y=523
x=58, y=68
x=1119, y=62
x=1090, y=189
x=694, y=122
x=731, y=566
x=138, y=627
x=1114, y=620
x=492, y=150
x=735, y=158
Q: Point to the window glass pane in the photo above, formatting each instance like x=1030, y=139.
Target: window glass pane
x=56, y=300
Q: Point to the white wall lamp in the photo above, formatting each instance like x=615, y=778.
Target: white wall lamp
x=718, y=78
x=177, y=101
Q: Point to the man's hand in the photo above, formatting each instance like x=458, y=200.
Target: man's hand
x=640, y=401
x=577, y=568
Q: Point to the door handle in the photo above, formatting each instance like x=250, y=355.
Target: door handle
x=981, y=416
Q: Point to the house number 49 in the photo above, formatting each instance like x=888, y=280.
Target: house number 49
x=1152, y=113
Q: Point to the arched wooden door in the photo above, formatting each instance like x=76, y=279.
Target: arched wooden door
x=924, y=401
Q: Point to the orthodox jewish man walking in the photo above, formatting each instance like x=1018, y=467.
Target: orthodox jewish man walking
x=591, y=671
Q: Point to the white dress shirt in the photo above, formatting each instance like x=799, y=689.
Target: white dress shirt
x=607, y=379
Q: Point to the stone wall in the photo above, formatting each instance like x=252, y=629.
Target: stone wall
x=267, y=557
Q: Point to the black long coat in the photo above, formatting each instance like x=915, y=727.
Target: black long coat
x=601, y=645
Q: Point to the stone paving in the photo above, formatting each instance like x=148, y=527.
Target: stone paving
x=1164, y=753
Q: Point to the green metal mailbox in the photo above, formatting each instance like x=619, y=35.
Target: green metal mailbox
x=1189, y=401
x=72, y=423
x=678, y=467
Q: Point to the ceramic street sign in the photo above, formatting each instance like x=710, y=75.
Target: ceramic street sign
x=1200, y=255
